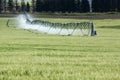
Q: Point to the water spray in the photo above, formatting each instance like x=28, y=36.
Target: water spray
x=25, y=21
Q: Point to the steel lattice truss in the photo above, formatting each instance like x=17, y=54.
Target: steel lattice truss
x=82, y=28
x=86, y=28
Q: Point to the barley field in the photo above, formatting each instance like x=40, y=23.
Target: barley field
x=27, y=55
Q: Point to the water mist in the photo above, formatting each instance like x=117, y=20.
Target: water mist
x=43, y=28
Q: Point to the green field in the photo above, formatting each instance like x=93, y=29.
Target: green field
x=31, y=56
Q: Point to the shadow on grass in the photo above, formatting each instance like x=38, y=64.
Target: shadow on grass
x=110, y=27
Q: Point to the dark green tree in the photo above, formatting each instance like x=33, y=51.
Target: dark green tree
x=10, y=5
x=16, y=5
x=23, y=6
x=97, y=5
x=71, y=6
x=77, y=6
x=85, y=6
x=106, y=6
x=33, y=6
x=39, y=5
x=112, y=5
x=52, y=6
x=118, y=5
x=5, y=5
x=58, y=5
x=0, y=6
x=28, y=7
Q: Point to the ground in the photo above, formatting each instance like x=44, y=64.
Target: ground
x=26, y=55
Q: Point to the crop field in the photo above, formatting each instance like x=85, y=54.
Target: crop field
x=27, y=55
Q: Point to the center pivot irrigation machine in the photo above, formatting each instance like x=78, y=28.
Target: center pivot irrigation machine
x=82, y=28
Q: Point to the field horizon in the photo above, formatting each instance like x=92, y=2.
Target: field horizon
x=90, y=16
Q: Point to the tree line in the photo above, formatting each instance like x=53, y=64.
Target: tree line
x=106, y=5
x=78, y=5
x=60, y=6
x=14, y=6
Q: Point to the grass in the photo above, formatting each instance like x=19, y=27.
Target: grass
x=30, y=56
